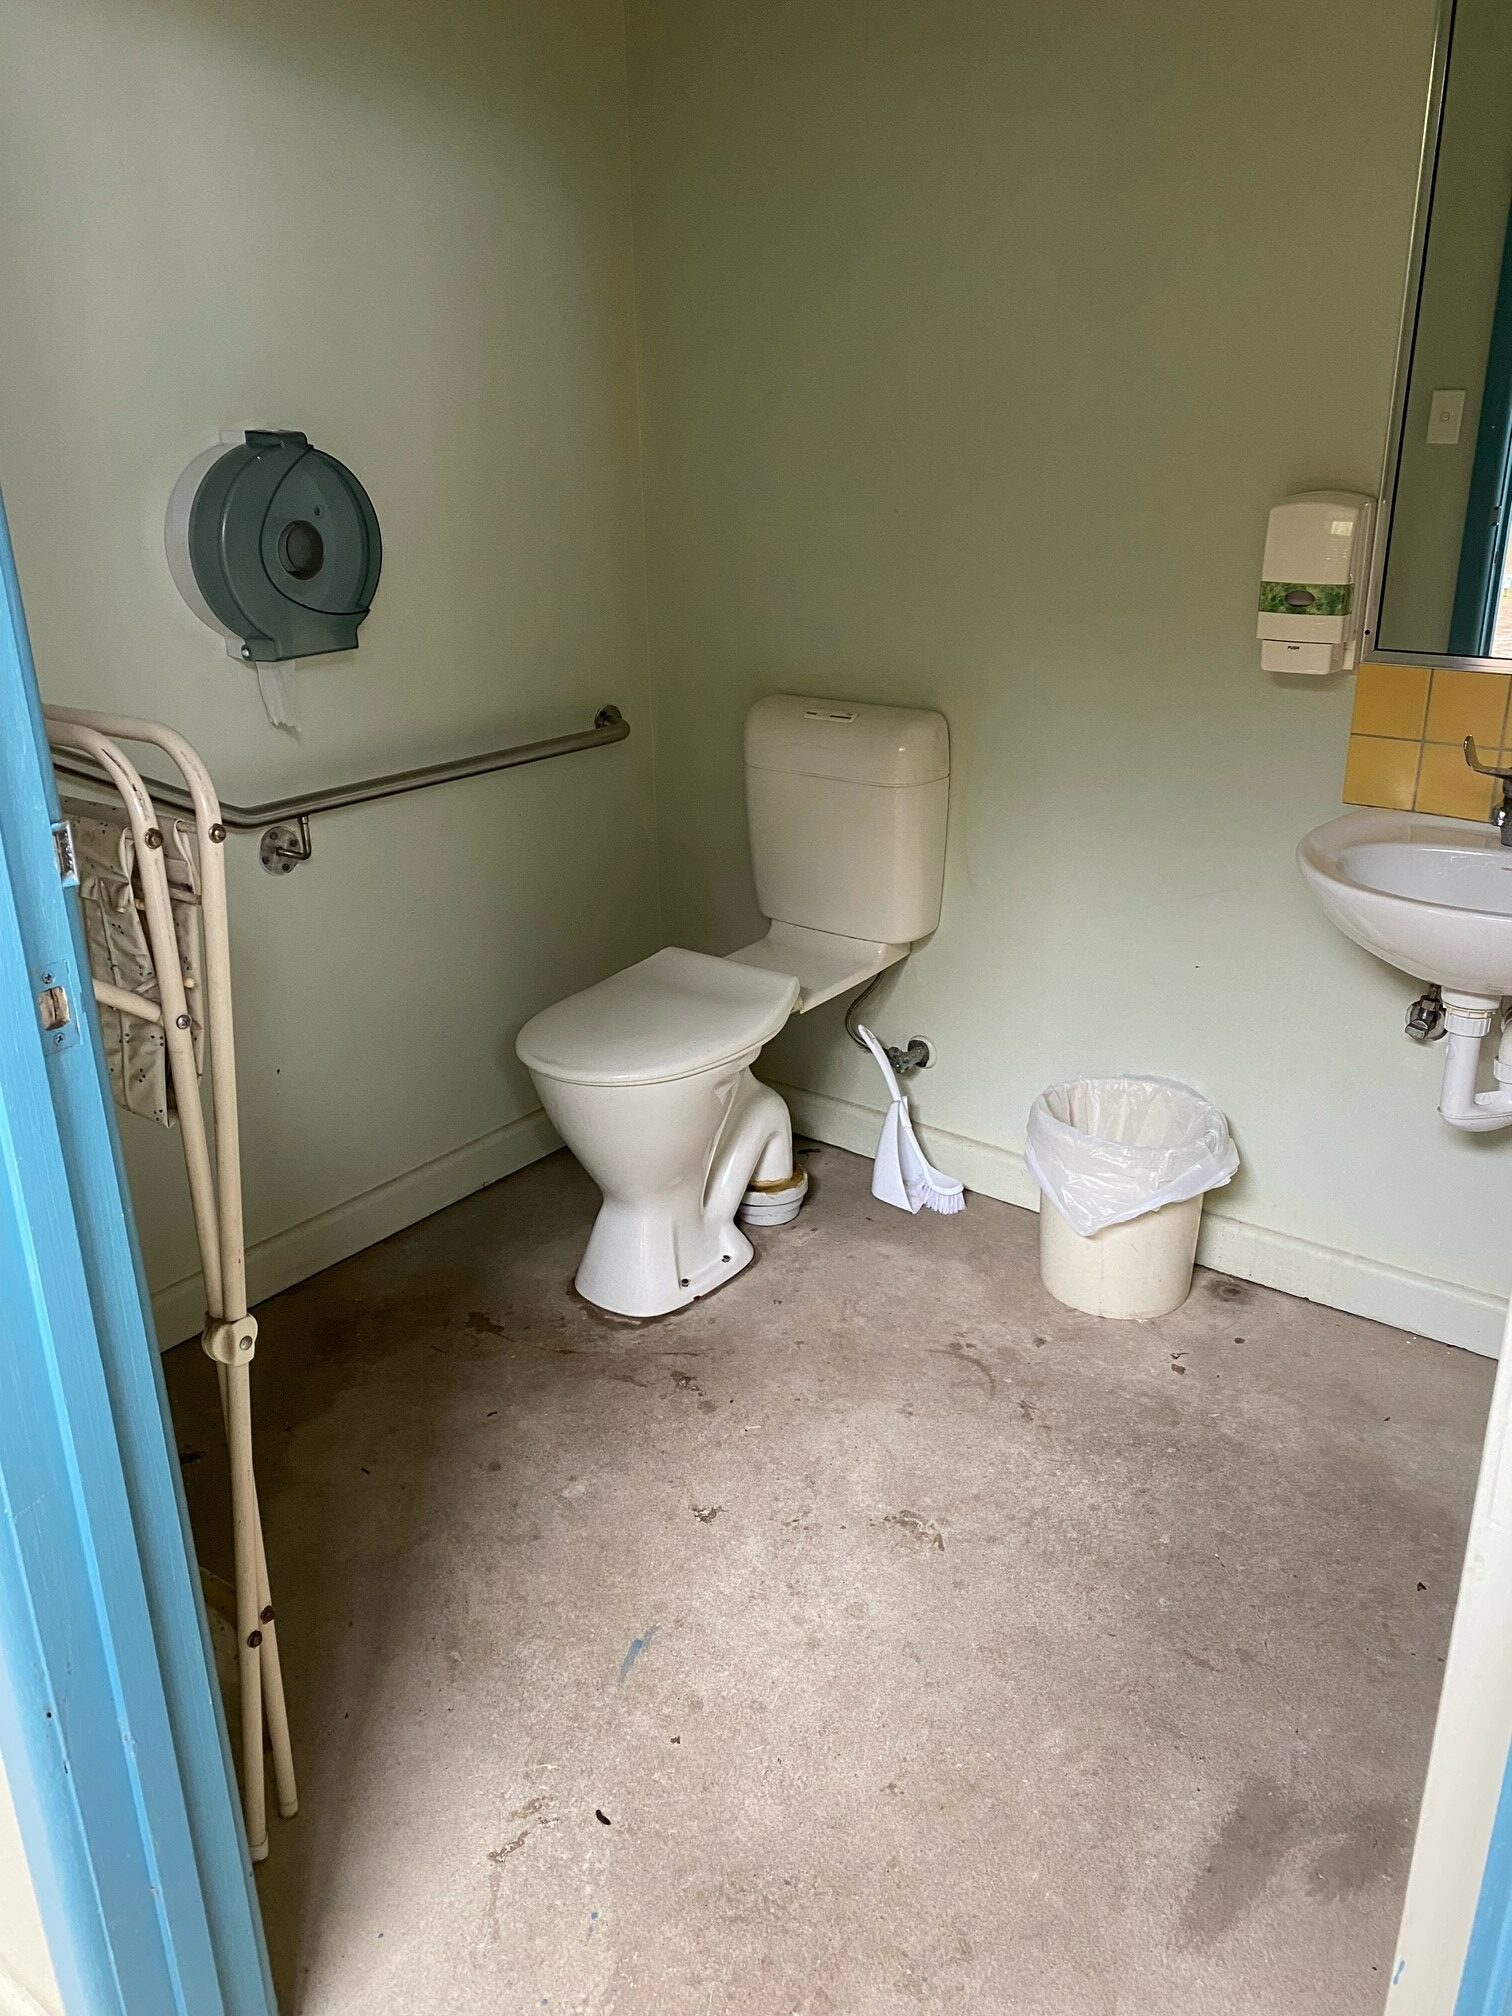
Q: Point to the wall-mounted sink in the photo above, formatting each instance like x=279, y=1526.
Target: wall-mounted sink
x=1432, y=897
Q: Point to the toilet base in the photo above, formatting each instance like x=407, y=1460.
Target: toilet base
x=674, y=1161
x=767, y=1204
x=735, y=1255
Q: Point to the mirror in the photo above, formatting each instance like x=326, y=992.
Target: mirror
x=1443, y=587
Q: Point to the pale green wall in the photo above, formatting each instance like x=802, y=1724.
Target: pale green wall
x=978, y=339
x=405, y=230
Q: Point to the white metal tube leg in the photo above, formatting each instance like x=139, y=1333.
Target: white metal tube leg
x=248, y=1626
x=275, y=1708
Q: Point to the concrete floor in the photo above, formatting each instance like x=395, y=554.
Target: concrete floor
x=875, y=1636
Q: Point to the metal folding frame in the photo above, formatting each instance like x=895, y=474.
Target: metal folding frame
x=230, y=1332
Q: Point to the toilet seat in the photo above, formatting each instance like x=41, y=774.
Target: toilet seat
x=668, y=1017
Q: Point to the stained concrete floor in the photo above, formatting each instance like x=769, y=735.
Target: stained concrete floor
x=875, y=1636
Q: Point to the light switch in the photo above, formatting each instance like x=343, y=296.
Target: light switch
x=1445, y=412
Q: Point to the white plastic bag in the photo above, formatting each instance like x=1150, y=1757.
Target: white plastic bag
x=1110, y=1149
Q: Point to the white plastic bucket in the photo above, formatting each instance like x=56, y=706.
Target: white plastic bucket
x=1137, y=1269
x=1123, y=1165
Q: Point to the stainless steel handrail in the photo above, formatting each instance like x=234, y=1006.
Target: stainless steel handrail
x=284, y=822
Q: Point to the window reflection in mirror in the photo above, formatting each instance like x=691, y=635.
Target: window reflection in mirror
x=1447, y=585
x=1501, y=634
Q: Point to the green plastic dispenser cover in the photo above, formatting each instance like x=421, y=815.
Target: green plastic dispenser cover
x=285, y=547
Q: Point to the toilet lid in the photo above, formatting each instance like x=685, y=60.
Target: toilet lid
x=673, y=1014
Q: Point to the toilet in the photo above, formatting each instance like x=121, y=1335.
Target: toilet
x=647, y=1076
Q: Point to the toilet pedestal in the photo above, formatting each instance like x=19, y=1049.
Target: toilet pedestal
x=666, y=1233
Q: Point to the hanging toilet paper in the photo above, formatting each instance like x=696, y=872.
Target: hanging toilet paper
x=278, y=695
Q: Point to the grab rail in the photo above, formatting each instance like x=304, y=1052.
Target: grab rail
x=285, y=822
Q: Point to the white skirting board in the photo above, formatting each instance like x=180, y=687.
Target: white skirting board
x=1427, y=1307
x=302, y=1250
x=1417, y=1302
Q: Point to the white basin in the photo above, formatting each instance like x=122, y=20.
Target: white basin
x=1432, y=897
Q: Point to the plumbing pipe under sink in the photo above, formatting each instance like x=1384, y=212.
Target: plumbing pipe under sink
x=1467, y=1023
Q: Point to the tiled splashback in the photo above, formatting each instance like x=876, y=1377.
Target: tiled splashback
x=1406, y=741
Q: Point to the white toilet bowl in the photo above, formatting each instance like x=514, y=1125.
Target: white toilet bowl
x=646, y=1078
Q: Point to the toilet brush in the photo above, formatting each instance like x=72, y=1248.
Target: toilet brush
x=903, y=1175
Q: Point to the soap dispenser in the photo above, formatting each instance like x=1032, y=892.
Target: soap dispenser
x=1317, y=547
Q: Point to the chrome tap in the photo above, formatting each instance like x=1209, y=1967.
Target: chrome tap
x=1501, y=811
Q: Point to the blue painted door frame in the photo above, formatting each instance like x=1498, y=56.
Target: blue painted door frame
x=1486, y=1983
x=110, y=1721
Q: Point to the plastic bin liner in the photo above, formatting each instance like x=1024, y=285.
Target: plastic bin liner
x=1110, y=1149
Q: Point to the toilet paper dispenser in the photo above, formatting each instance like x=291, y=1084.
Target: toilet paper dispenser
x=275, y=544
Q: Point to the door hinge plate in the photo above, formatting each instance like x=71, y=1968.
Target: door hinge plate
x=57, y=1016
x=67, y=854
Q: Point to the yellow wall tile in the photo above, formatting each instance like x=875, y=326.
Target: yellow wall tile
x=1468, y=703
x=1391, y=700
x=1405, y=741
x=1447, y=785
x=1380, y=772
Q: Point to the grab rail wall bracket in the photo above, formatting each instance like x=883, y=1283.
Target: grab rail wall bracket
x=284, y=823
x=283, y=847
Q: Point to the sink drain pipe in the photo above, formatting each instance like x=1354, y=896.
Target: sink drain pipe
x=1467, y=1024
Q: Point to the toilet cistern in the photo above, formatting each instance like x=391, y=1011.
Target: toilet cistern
x=647, y=1076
